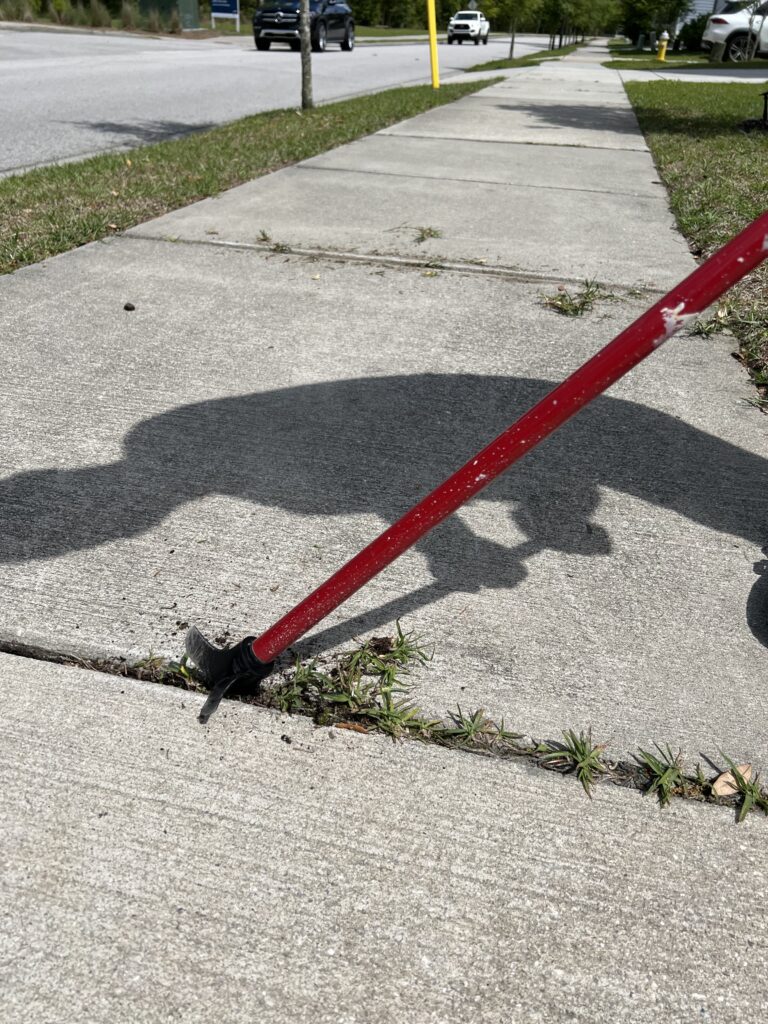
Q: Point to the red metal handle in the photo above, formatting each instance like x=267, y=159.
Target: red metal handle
x=698, y=291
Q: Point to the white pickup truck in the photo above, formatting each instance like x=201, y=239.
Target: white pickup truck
x=471, y=25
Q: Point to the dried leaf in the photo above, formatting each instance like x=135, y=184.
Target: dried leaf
x=352, y=726
x=725, y=784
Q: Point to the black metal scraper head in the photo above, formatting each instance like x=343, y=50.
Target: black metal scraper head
x=224, y=669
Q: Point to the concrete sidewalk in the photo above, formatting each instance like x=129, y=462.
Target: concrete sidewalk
x=264, y=870
x=299, y=369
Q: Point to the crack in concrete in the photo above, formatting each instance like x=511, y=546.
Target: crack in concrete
x=619, y=772
x=394, y=262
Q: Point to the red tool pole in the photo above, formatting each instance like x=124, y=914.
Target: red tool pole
x=254, y=657
x=690, y=298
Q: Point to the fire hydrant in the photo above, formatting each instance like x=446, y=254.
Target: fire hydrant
x=663, y=41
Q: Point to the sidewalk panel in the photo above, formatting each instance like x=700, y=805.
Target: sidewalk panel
x=260, y=869
x=624, y=173
x=522, y=228
x=215, y=454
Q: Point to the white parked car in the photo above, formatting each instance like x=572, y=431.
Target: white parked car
x=469, y=25
x=732, y=27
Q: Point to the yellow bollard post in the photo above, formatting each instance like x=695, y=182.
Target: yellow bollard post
x=432, y=26
x=663, y=41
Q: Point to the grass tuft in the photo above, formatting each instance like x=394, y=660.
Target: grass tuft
x=424, y=233
x=577, y=754
x=750, y=791
x=575, y=303
x=664, y=772
x=367, y=686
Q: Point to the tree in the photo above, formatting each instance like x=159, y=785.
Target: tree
x=306, y=56
x=516, y=14
x=646, y=16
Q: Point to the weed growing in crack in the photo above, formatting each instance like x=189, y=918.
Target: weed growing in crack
x=154, y=669
x=664, y=773
x=578, y=754
x=475, y=729
x=422, y=234
x=368, y=690
x=575, y=303
x=750, y=791
x=366, y=685
x=704, y=327
x=396, y=717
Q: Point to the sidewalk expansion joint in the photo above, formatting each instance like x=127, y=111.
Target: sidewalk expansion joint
x=521, y=185
x=521, y=142
x=368, y=691
x=433, y=263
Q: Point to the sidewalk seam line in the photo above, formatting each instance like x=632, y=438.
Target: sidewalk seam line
x=472, y=181
x=516, y=142
x=396, y=262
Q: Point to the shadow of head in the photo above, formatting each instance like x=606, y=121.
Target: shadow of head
x=379, y=445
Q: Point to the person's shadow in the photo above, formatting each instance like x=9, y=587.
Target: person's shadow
x=379, y=444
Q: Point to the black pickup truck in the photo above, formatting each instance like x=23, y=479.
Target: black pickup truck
x=277, y=21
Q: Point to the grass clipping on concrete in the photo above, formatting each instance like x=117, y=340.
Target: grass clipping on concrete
x=54, y=209
x=717, y=178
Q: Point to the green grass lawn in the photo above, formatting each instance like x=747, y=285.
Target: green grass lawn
x=717, y=177
x=648, y=62
x=528, y=61
x=54, y=209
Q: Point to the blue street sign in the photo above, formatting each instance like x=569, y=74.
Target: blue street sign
x=225, y=9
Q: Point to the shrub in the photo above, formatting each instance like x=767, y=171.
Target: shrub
x=690, y=34
x=98, y=15
x=129, y=16
x=174, y=22
x=153, y=21
x=12, y=10
x=61, y=12
x=80, y=15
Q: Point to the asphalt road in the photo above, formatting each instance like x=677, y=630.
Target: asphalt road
x=64, y=96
